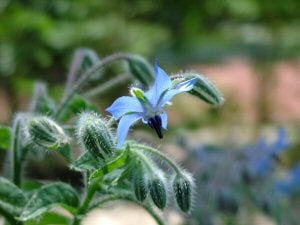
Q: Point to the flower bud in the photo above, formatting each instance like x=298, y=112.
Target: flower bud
x=182, y=187
x=203, y=88
x=141, y=70
x=95, y=135
x=140, y=183
x=44, y=132
x=158, y=192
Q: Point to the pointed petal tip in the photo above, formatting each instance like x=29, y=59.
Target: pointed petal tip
x=123, y=128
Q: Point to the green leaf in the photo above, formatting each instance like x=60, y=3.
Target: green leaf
x=77, y=105
x=50, y=218
x=66, y=152
x=5, y=134
x=112, y=165
x=48, y=196
x=86, y=162
x=12, y=199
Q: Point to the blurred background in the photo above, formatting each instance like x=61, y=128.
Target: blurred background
x=249, y=48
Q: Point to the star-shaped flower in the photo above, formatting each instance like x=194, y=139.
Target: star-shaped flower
x=147, y=106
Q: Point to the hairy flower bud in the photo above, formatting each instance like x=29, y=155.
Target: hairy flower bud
x=141, y=70
x=44, y=132
x=182, y=187
x=158, y=192
x=95, y=135
x=140, y=183
x=203, y=88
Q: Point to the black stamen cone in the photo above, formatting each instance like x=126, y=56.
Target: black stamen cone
x=155, y=123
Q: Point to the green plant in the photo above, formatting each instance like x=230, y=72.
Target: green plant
x=112, y=172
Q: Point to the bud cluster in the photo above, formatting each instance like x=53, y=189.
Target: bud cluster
x=148, y=179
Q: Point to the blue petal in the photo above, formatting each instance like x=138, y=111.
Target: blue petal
x=125, y=105
x=164, y=119
x=124, y=125
x=181, y=87
x=161, y=84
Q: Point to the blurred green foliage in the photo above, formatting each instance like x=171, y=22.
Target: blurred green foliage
x=38, y=36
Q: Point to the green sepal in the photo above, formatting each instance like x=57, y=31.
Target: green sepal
x=110, y=166
x=5, y=136
x=45, y=132
x=158, y=192
x=140, y=182
x=182, y=187
x=95, y=135
x=12, y=198
x=204, y=88
x=43, y=199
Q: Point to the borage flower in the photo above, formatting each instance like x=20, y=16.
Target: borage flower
x=147, y=106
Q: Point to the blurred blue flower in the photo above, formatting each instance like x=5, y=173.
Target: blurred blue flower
x=291, y=184
x=262, y=156
x=148, y=106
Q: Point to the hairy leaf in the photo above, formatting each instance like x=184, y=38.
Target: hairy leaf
x=12, y=199
x=48, y=196
x=86, y=162
x=5, y=134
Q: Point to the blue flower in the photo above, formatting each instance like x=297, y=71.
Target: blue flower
x=291, y=183
x=263, y=156
x=147, y=106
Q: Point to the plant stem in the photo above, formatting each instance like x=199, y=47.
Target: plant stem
x=145, y=160
x=9, y=218
x=128, y=198
x=16, y=163
x=86, y=76
x=86, y=202
x=107, y=85
x=161, y=155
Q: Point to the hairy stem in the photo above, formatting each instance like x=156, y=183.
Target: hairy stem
x=16, y=163
x=91, y=190
x=86, y=76
x=9, y=218
x=145, y=160
x=128, y=198
x=107, y=85
x=159, y=154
